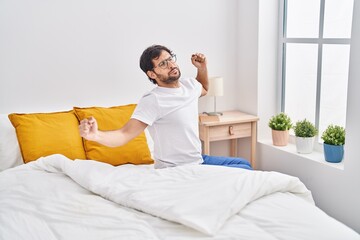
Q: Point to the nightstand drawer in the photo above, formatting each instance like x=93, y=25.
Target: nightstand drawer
x=229, y=131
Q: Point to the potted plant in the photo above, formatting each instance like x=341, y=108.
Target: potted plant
x=305, y=133
x=334, y=140
x=280, y=125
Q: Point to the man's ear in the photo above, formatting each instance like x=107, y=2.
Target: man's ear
x=151, y=74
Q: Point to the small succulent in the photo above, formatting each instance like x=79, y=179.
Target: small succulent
x=280, y=122
x=334, y=135
x=305, y=128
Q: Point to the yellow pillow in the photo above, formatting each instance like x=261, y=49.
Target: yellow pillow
x=136, y=151
x=43, y=134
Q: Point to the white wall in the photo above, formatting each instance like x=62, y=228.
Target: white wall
x=248, y=34
x=58, y=54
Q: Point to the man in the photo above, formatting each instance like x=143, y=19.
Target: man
x=170, y=111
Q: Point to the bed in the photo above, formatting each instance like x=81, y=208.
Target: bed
x=58, y=196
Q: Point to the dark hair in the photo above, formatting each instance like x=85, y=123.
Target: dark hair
x=148, y=55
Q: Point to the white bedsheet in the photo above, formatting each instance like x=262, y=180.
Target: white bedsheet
x=39, y=201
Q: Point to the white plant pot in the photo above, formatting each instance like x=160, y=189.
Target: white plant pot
x=304, y=144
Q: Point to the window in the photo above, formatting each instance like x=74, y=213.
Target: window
x=315, y=52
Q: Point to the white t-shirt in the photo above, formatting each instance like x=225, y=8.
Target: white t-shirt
x=172, y=118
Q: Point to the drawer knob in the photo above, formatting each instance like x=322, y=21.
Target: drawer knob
x=231, y=130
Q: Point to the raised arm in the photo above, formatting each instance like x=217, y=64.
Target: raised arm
x=89, y=130
x=199, y=61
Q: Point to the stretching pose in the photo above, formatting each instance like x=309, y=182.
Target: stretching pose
x=169, y=111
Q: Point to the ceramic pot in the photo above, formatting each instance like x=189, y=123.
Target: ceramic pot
x=333, y=153
x=280, y=138
x=304, y=144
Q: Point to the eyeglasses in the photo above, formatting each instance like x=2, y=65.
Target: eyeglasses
x=165, y=63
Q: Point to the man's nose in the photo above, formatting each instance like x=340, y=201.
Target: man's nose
x=171, y=64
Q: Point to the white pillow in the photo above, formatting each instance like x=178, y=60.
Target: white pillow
x=10, y=155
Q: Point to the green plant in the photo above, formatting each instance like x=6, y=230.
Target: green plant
x=305, y=128
x=334, y=135
x=280, y=122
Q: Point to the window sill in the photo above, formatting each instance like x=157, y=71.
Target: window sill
x=315, y=156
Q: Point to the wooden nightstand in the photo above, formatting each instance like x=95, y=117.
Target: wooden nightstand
x=232, y=125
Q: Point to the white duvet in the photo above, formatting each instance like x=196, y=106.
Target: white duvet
x=188, y=202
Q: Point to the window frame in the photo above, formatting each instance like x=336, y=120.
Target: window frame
x=320, y=41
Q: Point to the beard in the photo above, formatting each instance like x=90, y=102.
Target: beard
x=167, y=79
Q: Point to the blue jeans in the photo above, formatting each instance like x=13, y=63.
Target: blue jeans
x=226, y=161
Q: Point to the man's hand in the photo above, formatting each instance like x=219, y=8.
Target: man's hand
x=198, y=60
x=88, y=128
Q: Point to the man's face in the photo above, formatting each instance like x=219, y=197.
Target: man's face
x=166, y=71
